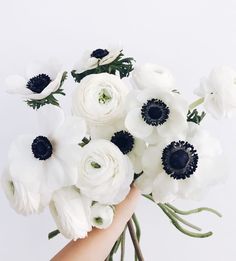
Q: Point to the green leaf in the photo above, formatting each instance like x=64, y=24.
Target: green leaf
x=53, y=234
x=195, y=117
x=121, y=66
x=95, y=165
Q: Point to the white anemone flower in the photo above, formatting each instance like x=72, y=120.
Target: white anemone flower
x=91, y=60
x=47, y=159
x=153, y=113
x=23, y=198
x=39, y=81
x=101, y=215
x=153, y=76
x=71, y=212
x=100, y=99
x=219, y=92
x=182, y=166
x=104, y=173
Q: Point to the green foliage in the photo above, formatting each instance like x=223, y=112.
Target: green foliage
x=121, y=66
x=53, y=234
x=195, y=117
x=36, y=104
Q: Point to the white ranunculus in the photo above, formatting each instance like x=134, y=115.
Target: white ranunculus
x=23, y=198
x=91, y=60
x=219, y=92
x=71, y=212
x=38, y=83
x=180, y=167
x=104, y=174
x=47, y=158
x=153, y=113
x=101, y=215
x=153, y=76
x=100, y=99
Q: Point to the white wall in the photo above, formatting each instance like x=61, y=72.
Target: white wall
x=189, y=37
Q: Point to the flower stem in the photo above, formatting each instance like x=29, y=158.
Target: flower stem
x=137, y=226
x=122, y=251
x=183, y=221
x=135, y=240
x=169, y=210
x=179, y=227
x=193, y=211
x=196, y=103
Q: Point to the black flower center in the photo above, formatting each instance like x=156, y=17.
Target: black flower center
x=42, y=148
x=124, y=141
x=38, y=83
x=99, y=53
x=155, y=112
x=179, y=159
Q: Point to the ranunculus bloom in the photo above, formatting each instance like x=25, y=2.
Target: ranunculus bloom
x=47, y=159
x=38, y=83
x=181, y=166
x=71, y=212
x=153, y=76
x=101, y=215
x=104, y=174
x=23, y=197
x=100, y=99
x=219, y=92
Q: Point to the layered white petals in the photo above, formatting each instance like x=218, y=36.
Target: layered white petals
x=219, y=92
x=101, y=215
x=100, y=99
x=71, y=212
x=153, y=76
x=105, y=174
x=24, y=200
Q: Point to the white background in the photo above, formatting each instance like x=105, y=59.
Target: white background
x=189, y=37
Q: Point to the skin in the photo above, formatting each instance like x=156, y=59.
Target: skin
x=99, y=242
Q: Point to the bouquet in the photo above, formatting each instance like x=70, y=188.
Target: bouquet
x=128, y=125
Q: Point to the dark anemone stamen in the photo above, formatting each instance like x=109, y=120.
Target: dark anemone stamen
x=99, y=53
x=124, y=141
x=155, y=112
x=179, y=159
x=38, y=83
x=42, y=148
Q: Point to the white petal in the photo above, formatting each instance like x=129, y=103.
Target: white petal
x=151, y=160
x=16, y=84
x=72, y=131
x=136, y=125
x=164, y=188
x=145, y=183
x=50, y=118
x=54, y=175
x=23, y=166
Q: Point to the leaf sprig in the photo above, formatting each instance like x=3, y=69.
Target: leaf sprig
x=121, y=66
x=195, y=116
